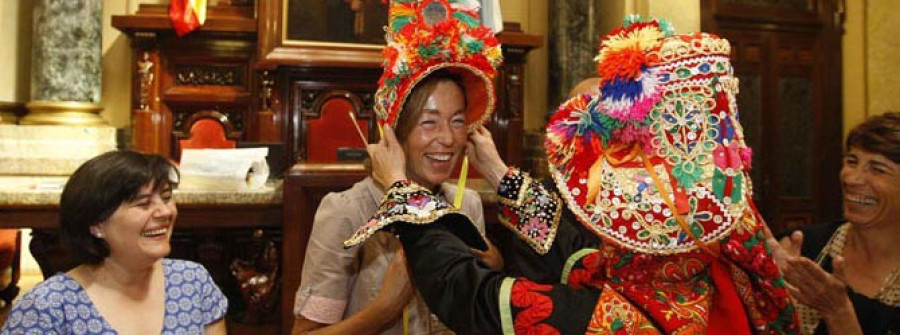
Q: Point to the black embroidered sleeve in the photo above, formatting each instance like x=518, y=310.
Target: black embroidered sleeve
x=409, y=203
x=529, y=210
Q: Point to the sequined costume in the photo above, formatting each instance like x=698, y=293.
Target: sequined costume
x=647, y=227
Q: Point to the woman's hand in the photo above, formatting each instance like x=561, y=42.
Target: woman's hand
x=788, y=247
x=397, y=289
x=814, y=287
x=490, y=257
x=483, y=155
x=388, y=159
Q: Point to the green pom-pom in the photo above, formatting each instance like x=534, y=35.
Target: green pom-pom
x=632, y=19
x=474, y=46
x=400, y=22
x=469, y=20
x=667, y=28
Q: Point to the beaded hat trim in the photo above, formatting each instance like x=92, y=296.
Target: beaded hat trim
x=668, y=98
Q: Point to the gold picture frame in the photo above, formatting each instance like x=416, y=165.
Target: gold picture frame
x=279, y=46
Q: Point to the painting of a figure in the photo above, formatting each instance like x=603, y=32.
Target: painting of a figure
x=340, y=21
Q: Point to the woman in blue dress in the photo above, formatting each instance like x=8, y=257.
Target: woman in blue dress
x=116, y=218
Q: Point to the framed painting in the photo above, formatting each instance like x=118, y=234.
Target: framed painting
x=342, y=33
x=336, y=21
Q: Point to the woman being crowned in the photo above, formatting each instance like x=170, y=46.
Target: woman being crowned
x=647, y=227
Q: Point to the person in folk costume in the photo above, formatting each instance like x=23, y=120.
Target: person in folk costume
x=436, y=85
x=647, y=226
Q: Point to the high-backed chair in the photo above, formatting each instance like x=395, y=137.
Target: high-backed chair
x=329, y=127
x=207, y=130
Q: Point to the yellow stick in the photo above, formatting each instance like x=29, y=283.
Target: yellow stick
x=406, y=320
x=461, y=184
x=358, y=130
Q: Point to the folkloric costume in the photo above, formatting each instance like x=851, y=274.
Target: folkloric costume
x=648, y=228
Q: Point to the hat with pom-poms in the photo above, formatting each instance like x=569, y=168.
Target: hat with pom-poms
x=425, y=36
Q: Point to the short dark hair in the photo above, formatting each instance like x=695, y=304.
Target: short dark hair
x=878, y=134
x=97, y=188
x=412, y=107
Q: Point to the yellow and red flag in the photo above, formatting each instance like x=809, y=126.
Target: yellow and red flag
x=187, y=15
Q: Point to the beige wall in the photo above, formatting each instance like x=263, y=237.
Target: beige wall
x=853, y=56
x=15, y=32
x=883, y=62
x=870, y=63
x=683, y=14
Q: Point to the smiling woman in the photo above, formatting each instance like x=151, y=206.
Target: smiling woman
x=436, y=84
x=117, y=216
x=846, y=275
x=432, y=129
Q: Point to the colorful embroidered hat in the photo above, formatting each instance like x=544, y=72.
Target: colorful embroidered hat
x=656, y=162
x=425, y=36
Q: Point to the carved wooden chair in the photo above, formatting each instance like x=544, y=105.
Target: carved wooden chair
x=328, y=129
x=207, y=130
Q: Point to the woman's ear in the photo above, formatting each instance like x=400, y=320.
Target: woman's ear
x=97, y=231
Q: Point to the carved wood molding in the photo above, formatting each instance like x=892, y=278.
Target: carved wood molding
x=217, y=75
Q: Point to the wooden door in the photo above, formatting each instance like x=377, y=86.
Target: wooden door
x=787, y=56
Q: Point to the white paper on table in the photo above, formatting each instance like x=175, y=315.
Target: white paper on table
x=224, y=169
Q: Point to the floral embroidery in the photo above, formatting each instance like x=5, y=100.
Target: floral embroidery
x=529, y=210
x=614, y=314
x=767, y=301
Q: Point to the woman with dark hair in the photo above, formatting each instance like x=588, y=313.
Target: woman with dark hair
x=116, y=218
x=846, y=275
x=432, y=97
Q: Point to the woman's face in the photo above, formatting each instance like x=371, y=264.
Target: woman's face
x=871, y=185
x=139, y=230
x=438, y=137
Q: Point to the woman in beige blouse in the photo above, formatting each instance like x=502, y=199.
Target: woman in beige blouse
x=364, y=289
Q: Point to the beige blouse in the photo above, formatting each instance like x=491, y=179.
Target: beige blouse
x=336, y=282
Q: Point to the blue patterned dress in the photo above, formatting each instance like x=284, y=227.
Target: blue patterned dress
x=59, y=305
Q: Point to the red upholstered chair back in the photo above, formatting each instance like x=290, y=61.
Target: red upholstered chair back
x=207, y=133
x=333, y=129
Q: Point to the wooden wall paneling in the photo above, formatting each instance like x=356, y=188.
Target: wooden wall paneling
x=146, y=119
x=268, y=119
x=788, y=59
x=506, y=125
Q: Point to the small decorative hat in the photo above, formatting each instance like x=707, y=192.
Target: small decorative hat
x=425, y=36
x=656, y=162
